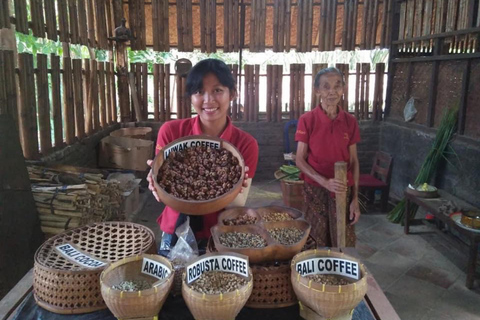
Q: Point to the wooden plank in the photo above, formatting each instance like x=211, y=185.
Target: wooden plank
x=114, y=93
x=288, y=24
x=388, y=32
x=156, y=102
x=68, y=101
x=213, y=27
x=157, y=25
x=236, y=26
x=367, y=90
x=51, y=19
x=291, y=105
x=462, y=109
x=355, y=24
x=167, y=93
x=43, y=104
x=357, y=91
x=270, y=76
x=365, y=24
x=91, y=24
x=276, y=31
x=162, y=86
x=56, y=101
x=185, y=25
x=341, y=205
x=178, y=85
x=334, y=25
x=432, y=94
x=82, y=22
x=189, y=18
x=246, y=112
x=145, y=90
x=257, y=93
x=417, y=24
x=95, y=96
x=16, y=295
x=101, y=26
x=101, y=89
x=108, y=85
x=141, y=31
x=427, y=18
x=38, y=21
x=73, y=22
x=385, y=17
x=203, y=26
x=21, y=20
x=373, y=37
x=134, y=94
x=3, y=85
x=10, y=85
x=165, y=26
x=78, y=98
x=302, y=90
x=409, y=19
x=180, y=25
x=4, y=14
x=227, y=18
x=346, y=23
x=279, y=87
x=27, y=107
x=452, y=12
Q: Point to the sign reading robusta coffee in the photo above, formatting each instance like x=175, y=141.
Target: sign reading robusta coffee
x=217, y=263
x=329, y=265
x=191, y=143
x=155, y=268
x=78, y=257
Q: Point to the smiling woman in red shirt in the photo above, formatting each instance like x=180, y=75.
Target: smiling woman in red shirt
x=325, y=135
x=211, y=86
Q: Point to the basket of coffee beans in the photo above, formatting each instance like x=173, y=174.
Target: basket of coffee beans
x=329, y=284
x=198, y=174
x=217, y=285
x=137, y=286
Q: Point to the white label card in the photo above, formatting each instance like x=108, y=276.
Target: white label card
x=76, y=256
x=189, y=144
x=337, y=266
x=155, y=268
x=217, y=263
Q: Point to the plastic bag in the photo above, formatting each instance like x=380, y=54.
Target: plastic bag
x=409, y=111
x=186, y=247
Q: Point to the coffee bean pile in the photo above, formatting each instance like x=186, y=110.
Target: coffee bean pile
x=135, y=285
x=216, y=282
x=286, y=236
x=276, y=216
x=242, y=240
x=199, y=173
x=242, y=219
x=328, y=279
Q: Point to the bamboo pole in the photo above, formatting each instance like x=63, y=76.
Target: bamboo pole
x=144, y=91
x=38, y=21
x=257, y=92
x=178, y=85
x=276, y=31
x=203, y=26
x=167, y=93
x=56, y=100
x=292, y=92
x=157, y=25
x=134, y=94
x=156, y=88
x=102, y=91
x=43, y=104
x=27, y=107
x=288, y=16
x=180, y=25
x=88, y=99
x=78, y=98
x=358, y=81
x=72, y=19
x=270, y=76
x=114, y=93
x=82, y=22
x=68, y=101
x=62, y=14
x=94, y=95
x=341, y=204
x=161, y=84
x=165, y=26
x=235, y=101
x=108, y=84
x=227, y=18
x=278, y=86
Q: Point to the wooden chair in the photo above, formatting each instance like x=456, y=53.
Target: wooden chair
x=379, y=178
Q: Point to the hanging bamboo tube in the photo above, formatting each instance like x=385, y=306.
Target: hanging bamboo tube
x=341, y=204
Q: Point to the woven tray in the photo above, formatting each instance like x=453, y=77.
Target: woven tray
x=62, y=286
x=272, y=287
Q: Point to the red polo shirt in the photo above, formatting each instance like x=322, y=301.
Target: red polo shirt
x=328, y=141
x=175, y=129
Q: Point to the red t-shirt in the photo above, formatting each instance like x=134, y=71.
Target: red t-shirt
x=175, y=129
x=328, y=141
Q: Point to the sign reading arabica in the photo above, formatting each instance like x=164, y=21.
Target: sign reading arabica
x=155, y=268
x=329, y=265
x=76, y=256
x=189, y=144
x=217, y=263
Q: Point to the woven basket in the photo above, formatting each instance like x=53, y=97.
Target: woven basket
x=272, y=285
x=292, y=191
x=144, y=133
x=328, y=301
x=137, y=304
x=64, y=287
x=216, y=306
x=177, y=280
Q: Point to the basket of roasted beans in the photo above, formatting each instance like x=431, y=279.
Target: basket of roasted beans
x=263, y=234
x=217, y=285
x=198, y=174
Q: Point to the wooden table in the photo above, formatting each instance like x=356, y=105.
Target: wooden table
x=19, y=304
x=432, y=206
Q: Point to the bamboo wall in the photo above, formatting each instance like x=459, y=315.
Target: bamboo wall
x=282, y=25
x=57, y=100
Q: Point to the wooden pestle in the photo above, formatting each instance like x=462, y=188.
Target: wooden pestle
x=341, y=204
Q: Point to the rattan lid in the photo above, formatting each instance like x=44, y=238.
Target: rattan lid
x=107, y=242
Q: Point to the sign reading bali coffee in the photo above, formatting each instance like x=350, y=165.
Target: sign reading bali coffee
x=329, y=265
x=78, y=257
x=155, y=268
x=189, y=144
x=232, y=264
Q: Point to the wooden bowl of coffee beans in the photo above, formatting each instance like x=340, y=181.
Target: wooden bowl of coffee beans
x=198, y=175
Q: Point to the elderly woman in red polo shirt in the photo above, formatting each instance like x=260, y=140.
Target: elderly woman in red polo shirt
x=211, y=87
x=325, y=135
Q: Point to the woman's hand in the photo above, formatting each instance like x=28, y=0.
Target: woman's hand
x=335, y=186
x=354, y=211
x=150, y=181
x=245, y=178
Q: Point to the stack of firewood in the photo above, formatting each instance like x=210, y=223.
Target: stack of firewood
x=67, y=197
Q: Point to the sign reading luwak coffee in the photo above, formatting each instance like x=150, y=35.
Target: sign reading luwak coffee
x=337, y=266
x=217, y=263
x=189, y=144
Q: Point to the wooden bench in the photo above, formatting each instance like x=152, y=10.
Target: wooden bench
x=432, y=206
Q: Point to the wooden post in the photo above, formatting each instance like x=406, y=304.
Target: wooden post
x=341, y=204
x=134, y=93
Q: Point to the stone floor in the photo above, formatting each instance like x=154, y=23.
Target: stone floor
x=422, y=274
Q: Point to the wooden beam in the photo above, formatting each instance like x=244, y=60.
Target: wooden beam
x=462, y=109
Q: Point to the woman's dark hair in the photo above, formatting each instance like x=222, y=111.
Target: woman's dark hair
x=204, y=67
x=326, y=71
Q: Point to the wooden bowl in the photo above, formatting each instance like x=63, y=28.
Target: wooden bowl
x=255, y=255
x=233, y=213
x=294, y=213
x=286, y=252
x=194, y=207
x=471, y=219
